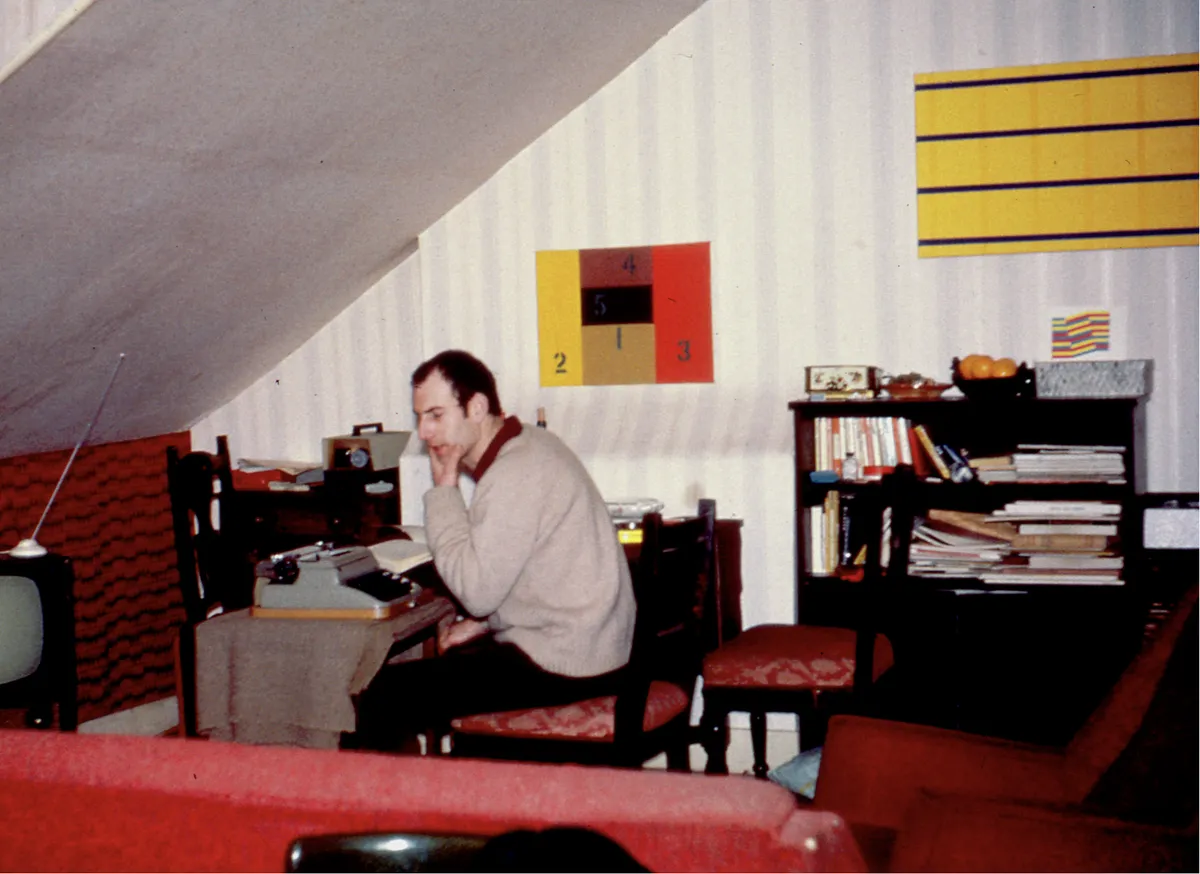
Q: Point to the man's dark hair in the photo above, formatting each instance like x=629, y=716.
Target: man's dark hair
x=466, y=374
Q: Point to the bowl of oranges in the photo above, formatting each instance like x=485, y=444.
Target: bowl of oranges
x=984, y=378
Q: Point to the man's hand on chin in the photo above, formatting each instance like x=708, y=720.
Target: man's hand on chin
x=445, y=464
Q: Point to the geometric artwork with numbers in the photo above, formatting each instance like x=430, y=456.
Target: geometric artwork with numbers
x=625, y=315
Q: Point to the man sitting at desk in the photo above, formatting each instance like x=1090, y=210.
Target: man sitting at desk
x=534, y=560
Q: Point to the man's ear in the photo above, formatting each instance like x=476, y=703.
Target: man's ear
x=477, y=407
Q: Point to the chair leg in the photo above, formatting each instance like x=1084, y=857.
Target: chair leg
x=758, y=739
x=678, y=758
x=714, y=730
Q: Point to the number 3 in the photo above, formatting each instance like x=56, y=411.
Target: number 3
x=686, y=346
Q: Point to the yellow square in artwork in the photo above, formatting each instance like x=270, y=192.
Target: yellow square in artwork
x=618, y=354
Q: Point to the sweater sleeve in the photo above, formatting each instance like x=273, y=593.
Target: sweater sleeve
x=481, y=551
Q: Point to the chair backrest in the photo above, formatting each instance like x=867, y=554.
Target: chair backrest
x=671, y=580
x=885, y=513
x=1150, y=716
x=210, y=572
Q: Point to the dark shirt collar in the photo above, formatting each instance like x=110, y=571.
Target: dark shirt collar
x=510, y=429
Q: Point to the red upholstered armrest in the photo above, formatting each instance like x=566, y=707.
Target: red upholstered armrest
x=953, y=833
x=872, y=769
x=72, y=802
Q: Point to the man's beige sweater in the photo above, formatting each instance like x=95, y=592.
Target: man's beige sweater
x=537, y=555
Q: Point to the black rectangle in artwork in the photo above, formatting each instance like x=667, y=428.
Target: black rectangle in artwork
x=625, y=305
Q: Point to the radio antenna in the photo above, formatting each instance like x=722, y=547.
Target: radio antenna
x=30, y=548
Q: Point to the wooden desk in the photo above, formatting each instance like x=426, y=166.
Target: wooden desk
x=290, y=681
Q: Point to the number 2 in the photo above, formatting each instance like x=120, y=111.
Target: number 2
x=560, y=360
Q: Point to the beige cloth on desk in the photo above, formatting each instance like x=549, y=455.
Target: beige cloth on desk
x=290, y=681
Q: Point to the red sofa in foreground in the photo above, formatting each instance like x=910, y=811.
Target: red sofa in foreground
x=92, y=802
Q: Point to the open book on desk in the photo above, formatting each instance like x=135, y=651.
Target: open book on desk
x=398, y=556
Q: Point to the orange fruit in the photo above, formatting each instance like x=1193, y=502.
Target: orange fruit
x=982, y=368
x=966, y=366
x=1004, y=367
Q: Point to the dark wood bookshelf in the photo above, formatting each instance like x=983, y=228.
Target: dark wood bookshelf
x=1026, y=662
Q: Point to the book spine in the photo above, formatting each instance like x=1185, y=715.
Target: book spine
x=1065, y=542
x=832, y=514
x=931, y=451
x=903, y=445
x=920, y=461
x=838, y=452
x=816, y=536
x=1067, y=528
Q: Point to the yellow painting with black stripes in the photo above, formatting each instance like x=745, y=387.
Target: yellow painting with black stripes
x=1093, y=155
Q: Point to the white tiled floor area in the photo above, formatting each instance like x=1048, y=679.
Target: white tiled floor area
x=781, y=746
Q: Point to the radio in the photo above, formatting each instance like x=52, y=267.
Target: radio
x=363, y=449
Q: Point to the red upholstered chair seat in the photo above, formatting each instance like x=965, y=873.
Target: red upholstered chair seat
x=791, y=657
x=591, y=720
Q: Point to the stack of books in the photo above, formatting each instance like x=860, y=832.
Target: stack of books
x=950, y=543
x=1061, y=543
x=935, y=553
x=1053, y=463
x=1024, y=543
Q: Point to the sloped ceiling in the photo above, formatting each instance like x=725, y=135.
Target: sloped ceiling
x=202, y=184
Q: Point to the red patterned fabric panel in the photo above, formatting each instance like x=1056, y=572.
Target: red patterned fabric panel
x=112, y=518
x=584, y=720
x=791, y=657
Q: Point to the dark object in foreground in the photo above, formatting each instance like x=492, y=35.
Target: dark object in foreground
x=552, y=849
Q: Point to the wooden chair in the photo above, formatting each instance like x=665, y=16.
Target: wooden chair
x=786, y=668
x=651, y=713
x=213, y=575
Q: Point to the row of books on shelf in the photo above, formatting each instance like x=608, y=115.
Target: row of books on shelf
x=836, y=544
x=866, y=447
x=876, y=443
x=1022, y=543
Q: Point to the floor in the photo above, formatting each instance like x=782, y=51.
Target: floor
x=158, y=718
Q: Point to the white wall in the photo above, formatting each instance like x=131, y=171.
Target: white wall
x=782, y=132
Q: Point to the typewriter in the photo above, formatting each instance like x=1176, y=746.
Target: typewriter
x=347, y=581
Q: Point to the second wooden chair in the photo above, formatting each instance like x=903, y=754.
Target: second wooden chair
x=777, y=668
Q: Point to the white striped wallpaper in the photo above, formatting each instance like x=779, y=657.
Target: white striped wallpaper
x=781, y=131
x=25, y=23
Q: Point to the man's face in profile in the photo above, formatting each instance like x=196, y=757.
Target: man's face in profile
x=442, y=422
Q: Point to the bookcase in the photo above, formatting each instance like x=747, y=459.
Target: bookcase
x=1026, y=661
